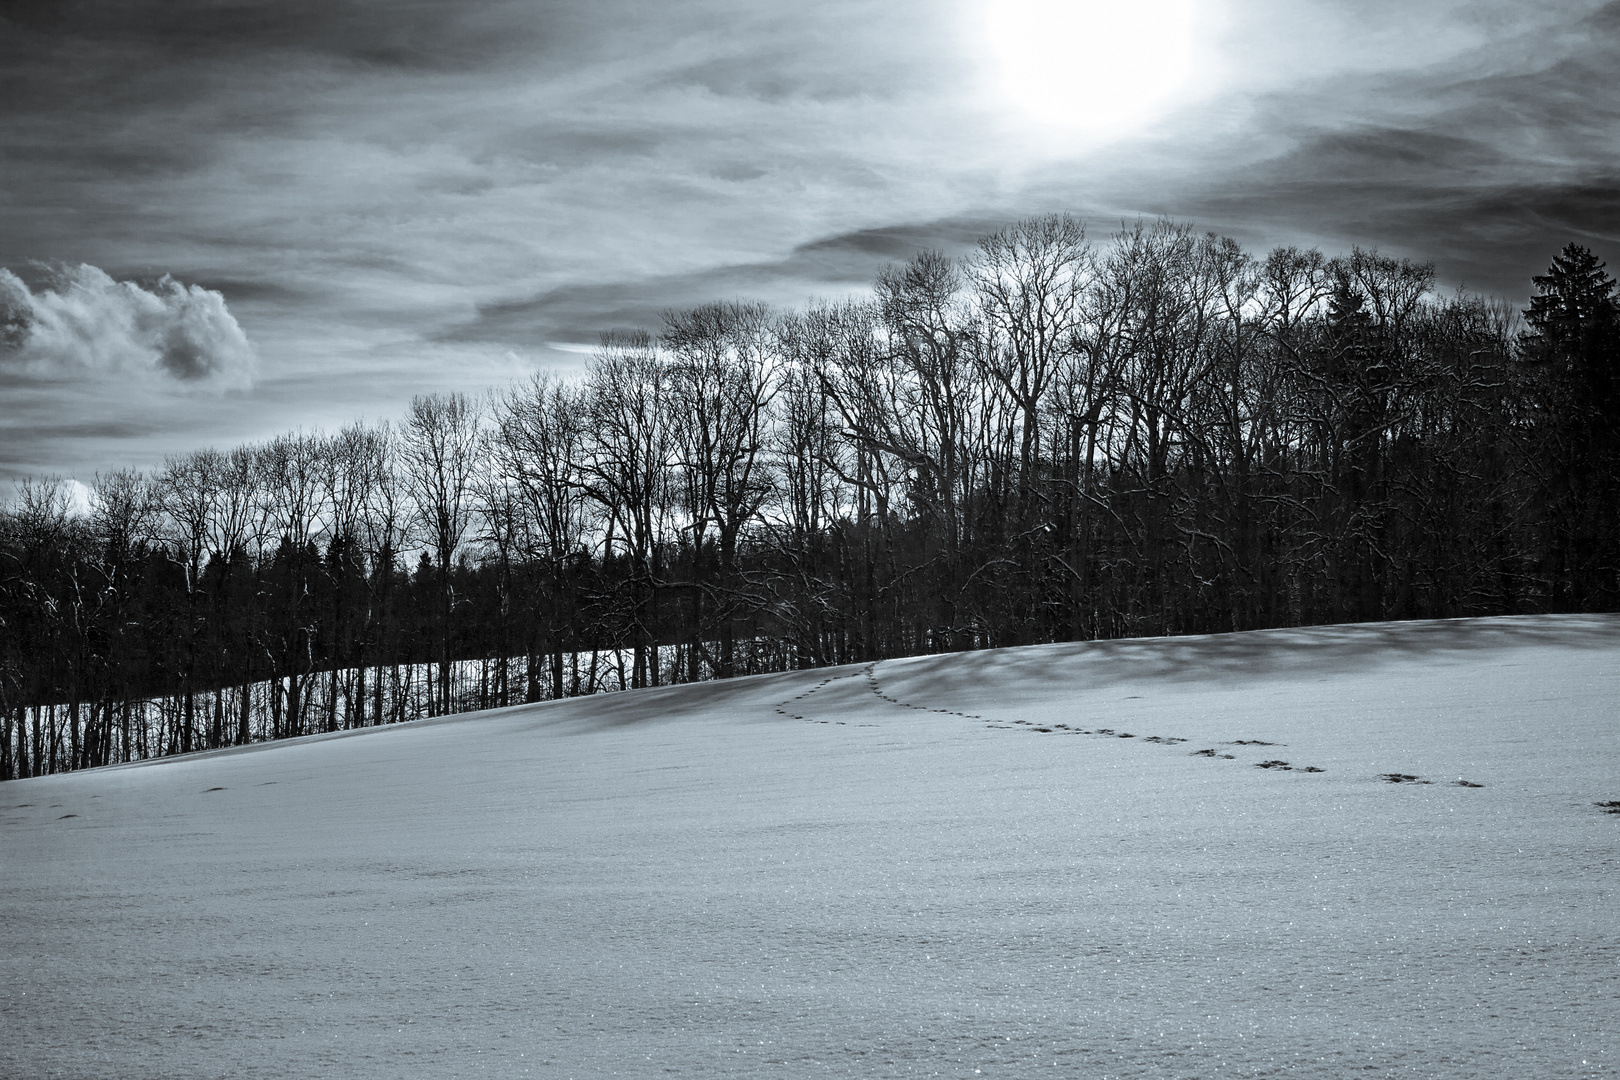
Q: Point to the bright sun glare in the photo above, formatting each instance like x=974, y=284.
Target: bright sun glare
x=1091, y=66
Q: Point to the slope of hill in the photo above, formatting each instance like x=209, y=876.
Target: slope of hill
x=1373, y=850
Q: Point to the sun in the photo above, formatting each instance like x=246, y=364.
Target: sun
x=1090, y=66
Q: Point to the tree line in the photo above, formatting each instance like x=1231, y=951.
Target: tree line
x=1050, y=439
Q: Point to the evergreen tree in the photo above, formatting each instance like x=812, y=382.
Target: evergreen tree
x=1575, y=342
x=1576, y=326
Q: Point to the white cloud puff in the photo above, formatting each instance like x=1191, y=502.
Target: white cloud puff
x=85, y=323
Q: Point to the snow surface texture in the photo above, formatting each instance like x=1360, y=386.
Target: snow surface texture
x=938, y=866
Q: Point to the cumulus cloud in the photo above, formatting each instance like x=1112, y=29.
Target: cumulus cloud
x=81, y=323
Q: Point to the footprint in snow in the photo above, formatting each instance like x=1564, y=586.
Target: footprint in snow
x=1408, y=778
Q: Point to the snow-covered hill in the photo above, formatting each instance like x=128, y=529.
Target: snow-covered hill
x=1060, y=861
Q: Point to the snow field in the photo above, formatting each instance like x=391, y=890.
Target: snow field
x=690, y=881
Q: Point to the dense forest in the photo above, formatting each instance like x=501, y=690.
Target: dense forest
x=1051, y=439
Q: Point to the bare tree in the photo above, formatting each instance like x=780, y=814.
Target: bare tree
x=932, y=410
x=723, y=365
x=539, y=446
x=345, y=473
x=628, y=459
x=440, y=453
x=814, y=505
x=1031, y=281
x=189, y=487
x=49, y=614
x=385, y=522
x=290, y=468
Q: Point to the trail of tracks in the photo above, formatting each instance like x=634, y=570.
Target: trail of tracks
x=782, y=707
x=868, y=673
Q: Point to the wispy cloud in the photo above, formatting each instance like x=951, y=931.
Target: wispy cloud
x=391, y=197
x=1486, y=160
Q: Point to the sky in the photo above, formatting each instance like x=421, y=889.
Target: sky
x=221, y=220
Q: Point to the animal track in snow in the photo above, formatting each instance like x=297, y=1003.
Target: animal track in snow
x=1162, y=740
x=872, y=684
x=1283, y=766
x=1271, y=765
x=1408, y=778
x=781, y=707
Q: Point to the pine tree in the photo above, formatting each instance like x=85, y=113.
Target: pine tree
x=1576, y=326
x=1575, y=340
